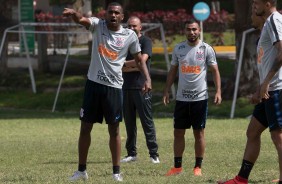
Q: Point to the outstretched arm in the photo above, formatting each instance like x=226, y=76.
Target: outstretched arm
x=169, y=81
x=76, y=17
x=276, y=66
x=217, y=83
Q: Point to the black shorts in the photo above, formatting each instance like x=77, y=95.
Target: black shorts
x=187, y=114
x=101, y=101
x=270, y=113
x=260, y=115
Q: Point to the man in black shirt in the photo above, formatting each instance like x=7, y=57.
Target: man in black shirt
x=136, y=100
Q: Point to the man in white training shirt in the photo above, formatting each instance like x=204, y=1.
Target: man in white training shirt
x=191, y=59
x=103, y=89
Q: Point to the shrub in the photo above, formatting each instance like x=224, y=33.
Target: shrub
x=173, y=22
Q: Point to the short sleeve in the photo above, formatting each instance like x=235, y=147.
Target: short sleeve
x=147, y=47
x=134, y=47
x=274, y=29
x=211, y=56
x=174, y=59
x=94, y=21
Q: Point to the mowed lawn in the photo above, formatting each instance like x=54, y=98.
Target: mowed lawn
x=35, y=149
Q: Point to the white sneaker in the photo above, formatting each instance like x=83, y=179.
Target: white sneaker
x=77, y=175
x=129, y=159
x=117, y=177
x=155, y=160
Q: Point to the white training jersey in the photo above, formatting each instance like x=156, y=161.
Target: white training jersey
x=267, y=53
x=109, y=50
x=192, y=62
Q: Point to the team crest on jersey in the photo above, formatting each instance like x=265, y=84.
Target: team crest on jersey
x=200, y=56
x=119, y=42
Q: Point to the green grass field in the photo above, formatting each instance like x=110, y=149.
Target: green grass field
x=15, y=92
x=37, y=146
x=41, y=147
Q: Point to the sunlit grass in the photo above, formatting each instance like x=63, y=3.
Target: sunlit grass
x=43, y=149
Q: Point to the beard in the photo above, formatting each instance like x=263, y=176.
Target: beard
x=262, y=13
x=193, y=39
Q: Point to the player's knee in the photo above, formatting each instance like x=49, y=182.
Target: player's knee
x=252, y=135
x=113, y=130
x=178, y=133
x=85, y=128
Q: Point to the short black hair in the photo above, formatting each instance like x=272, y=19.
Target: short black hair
x=115, y=4
x=191, y=21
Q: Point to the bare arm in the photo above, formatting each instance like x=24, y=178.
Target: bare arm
x=217, y=83
x=276, y=66
x=130, y=65
x=141, y=64
x=169, y=81
x=255, y=98
x=76, y=17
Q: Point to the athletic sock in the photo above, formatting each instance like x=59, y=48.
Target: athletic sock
x=246, y=169
x=116, y=169
x=177, y=162
x=81, y=167
x=198, y=162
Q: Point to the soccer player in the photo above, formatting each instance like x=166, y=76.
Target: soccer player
x=191, y=59
x=256, y=126
x=103, y=89
x=136, y=100
x=268, y=111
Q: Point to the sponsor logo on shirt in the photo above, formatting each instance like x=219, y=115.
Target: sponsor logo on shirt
x=112, y=55
x=191, y=94
x=181, y=47
x=186, y=69
x=109, y=78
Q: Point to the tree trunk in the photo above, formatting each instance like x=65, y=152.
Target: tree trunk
x=43, y=63
x=249, y=78
x=3, y=58
x=5, y=22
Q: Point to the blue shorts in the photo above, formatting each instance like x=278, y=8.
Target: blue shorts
x=187, y=114
x=269, y=112
x=101, y=101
